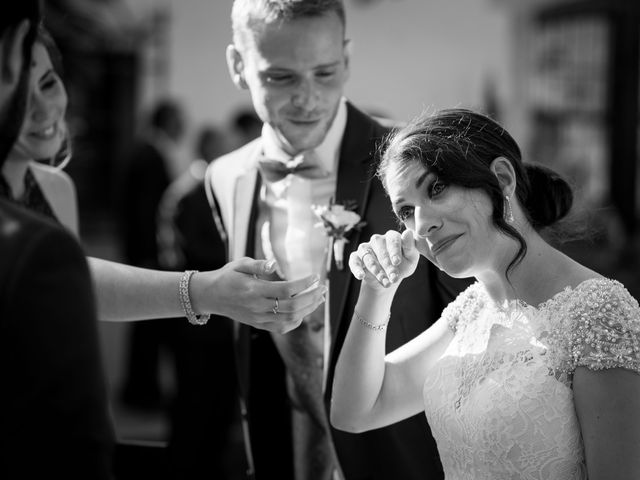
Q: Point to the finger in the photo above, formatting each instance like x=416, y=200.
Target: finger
x=408, y=245
x=356, y=266
x=288, y=288
x=291, y=321
x=254, y=267
x=369, y=258
x=394, y=246
x=381, y=247
x=277, y=323
x=303, y=300
x=393, y=249
x=303, y=286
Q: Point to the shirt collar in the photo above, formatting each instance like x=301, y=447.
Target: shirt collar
x=327, y=152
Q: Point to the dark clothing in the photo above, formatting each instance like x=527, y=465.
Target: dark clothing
x=146, y=180
x=405, y=450
x=54, y=419
x=32, y=199
x=144, y=183
x=205, y=407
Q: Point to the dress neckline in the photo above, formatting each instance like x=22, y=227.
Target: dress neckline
x=519, y=304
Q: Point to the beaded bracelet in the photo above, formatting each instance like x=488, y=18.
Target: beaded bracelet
x=371, y=326
x=185, y=300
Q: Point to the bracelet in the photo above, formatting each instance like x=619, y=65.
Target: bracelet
x=371, y=326
x=185, y=300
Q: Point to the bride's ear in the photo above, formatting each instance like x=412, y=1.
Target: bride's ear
x=506, y=175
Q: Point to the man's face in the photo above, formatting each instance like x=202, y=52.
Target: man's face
x=295, y=72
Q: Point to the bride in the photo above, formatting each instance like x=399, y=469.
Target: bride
x=532, y=372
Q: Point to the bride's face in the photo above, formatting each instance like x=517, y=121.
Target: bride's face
x=43, y=130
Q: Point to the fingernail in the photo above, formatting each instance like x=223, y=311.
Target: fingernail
x=395, y=259
x=270, y=265
x=385, y=282
x=393, y=277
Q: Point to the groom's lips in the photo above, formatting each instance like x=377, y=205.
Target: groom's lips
x=443, y=244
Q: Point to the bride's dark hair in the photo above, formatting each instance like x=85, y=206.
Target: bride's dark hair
x=459, y=145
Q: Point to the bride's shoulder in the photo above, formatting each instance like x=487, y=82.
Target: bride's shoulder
x=597, y=325
x=593, y=295
x=465, y=305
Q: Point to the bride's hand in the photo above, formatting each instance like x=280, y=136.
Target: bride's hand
x=385, y=259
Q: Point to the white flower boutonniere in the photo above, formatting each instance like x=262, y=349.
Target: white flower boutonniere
x=338, y=220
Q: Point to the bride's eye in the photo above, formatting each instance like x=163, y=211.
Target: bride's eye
x=436, y=188
x=404, y=213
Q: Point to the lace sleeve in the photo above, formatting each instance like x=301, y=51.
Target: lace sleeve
x=606, y=328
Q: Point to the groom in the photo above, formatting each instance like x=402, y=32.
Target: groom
x=316, y=147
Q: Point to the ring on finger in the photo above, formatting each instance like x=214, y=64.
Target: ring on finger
x=276, y=306
x=368, y=251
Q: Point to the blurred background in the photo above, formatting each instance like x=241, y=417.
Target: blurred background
x=563, y=76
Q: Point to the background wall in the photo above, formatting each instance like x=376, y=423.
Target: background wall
x=407, y=55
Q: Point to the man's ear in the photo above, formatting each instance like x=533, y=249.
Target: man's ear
x=235, y=64
x=506, y=175
x=347, y=55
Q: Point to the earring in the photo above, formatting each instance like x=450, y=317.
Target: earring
x=508, y=212
x=241, y=81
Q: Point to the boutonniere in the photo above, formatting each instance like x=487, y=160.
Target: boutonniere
x=338, y=221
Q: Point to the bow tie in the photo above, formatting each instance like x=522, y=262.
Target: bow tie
x=304, y=165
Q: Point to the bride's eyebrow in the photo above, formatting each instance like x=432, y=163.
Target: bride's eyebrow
x=421, y=179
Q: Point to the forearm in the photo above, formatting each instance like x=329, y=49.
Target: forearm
x=360, y=369
x=126, y=293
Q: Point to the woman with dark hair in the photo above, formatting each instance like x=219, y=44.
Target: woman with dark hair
x=53, y=410
x=532, y=372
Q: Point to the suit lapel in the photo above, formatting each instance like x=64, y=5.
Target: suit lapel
x=354, y=174
x=244, y=208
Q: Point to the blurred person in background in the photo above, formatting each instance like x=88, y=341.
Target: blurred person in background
x=154, y=162
x=205, y=407
x=245, y=126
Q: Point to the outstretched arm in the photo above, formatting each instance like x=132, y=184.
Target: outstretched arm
x=371, y=389
x=236, y=291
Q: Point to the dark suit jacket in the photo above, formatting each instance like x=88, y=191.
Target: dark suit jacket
x=54, y=421
x=405, y=450
x=145, y=180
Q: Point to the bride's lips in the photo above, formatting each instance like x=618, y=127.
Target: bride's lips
x=443, y=244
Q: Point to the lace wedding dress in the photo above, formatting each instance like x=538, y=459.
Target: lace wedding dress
x=500, y=401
